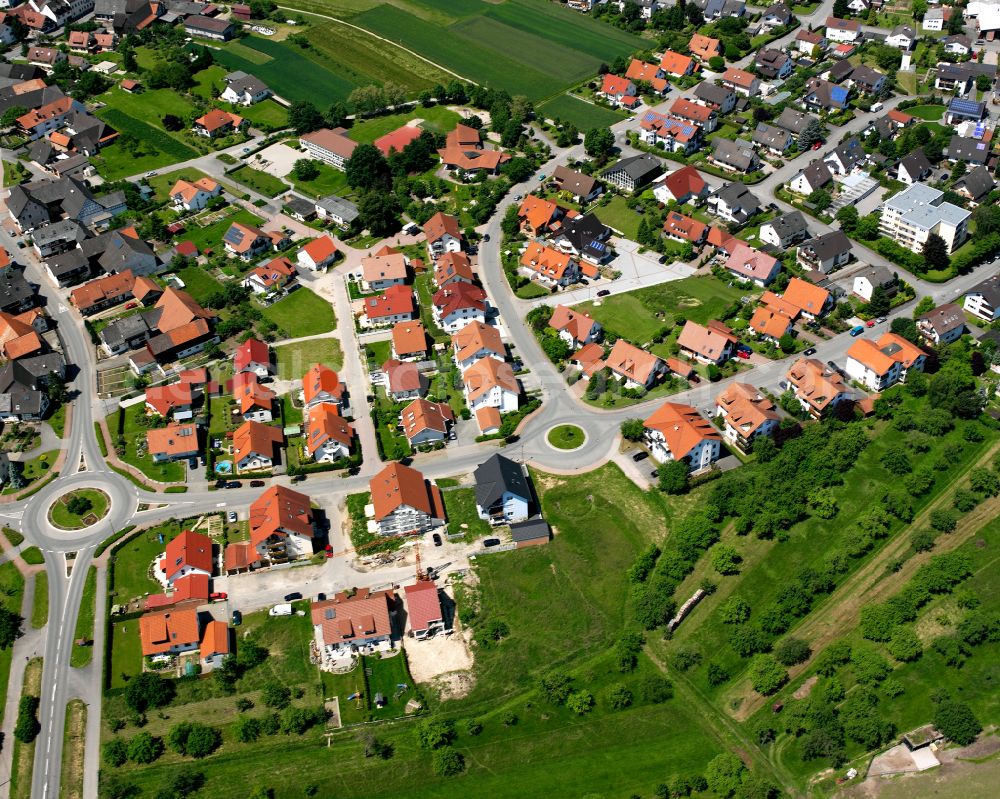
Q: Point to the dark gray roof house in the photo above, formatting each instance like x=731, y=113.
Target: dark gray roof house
x=16, y=293
x=633, y=172
x=841, y=71
x=530, y=532
x=715, y=96
x=793, y=121
x=586, y=236
x=913, y=167
x=790, y=227
x=975, y=184
x=738, y=155
x=502, y=490
x=961, y=148
x=774, y=138
x=20, y=394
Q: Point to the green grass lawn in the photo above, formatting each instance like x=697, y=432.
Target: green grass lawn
x=293, y=360
x=436, y=118
x=33, y=556
x=424, y=287
x=302, y=313
x=267, y=115
x=261, y=182
x=566, y=436
x=198, y=283
x=634, y=315
x=40, y=608
x=931, y=113
x=289, y=413
x=616, y=214
x=35, y=469
x=61, y=516
x=162, y=183
x=209, y=83
x=329, y=181
x=584, y=115
x=210, y=236
x=57, y=421
x=12, y=597
x=134, y=434
x=82, y=655
x=460, y=505
x=132, y=561
x=378, y=352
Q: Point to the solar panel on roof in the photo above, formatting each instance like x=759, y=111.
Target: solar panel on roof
x=964, y=106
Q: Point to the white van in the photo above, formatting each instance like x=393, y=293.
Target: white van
x=876, y=107
x=281, y=610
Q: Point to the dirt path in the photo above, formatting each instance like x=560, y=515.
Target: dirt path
x=871, y=583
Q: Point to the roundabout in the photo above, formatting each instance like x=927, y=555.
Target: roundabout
x=566, y=437
x=79, y=509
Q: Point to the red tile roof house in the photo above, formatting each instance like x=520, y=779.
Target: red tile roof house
x=168, y=633
x=453, y=267
x=711, y=343
x=329, y=437
x=318, y=254
x=409, y=341
x=394, y=305
x=748, y=414
x=693, y=113
x=173, y=442
x=423, y=609
x=491, y=383
x=683, y=228
x=677, y=432
x=425, y=422
x=618, y=91
x=194, y=196
x=255, y=446
x=352, y=624
x=457, y=305
x=576, y=328
x=476, y=341
x=281, y=525
x=218, y=123
x=215, y=646
x=253, y=356
x=753, y=265
x=404, y=502
x=175, y=400
x=638, y=368
x=331, y=147
x=397, y=140
x=463, y=149
x=378, y=272
x=442, y=234
x=403, y=381
x=321, y=385
x=548, y=266
x=683, y=185
x=189, y=553
x=245, y=242
x=255, y=403
x=649, y=73
x=539, y=216
x=192, y=589
x=272, y=277
x=741, y=81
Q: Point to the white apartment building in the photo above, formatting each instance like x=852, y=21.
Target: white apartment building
x=911, y=216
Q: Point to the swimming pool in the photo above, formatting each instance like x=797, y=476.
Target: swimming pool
x=224, y=467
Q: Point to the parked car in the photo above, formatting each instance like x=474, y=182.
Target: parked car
x=298, y=478
x=655, y=473
x=603, y=292
x=783, y=385
x=237, y=618
x=256, y=484
x=221, y=483
x=292, y=596
x=231, y=517
x=234, y=484
x=328, y=550
x=640, y=456
x=870, y=323
x=857, y=330
x=810, y=351
x=491, y=542
x=694, y=379
x=881, y=320
x=130, y=305
x=744, y=354
x=437, y=540
x=218, y=596
x=833, y=366
x=486, y=237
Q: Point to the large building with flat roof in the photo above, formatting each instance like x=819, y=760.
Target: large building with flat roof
x=914, y=214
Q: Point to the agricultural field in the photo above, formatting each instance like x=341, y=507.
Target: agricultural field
x=498, y=44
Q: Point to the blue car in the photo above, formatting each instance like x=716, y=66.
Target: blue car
x=857, y=330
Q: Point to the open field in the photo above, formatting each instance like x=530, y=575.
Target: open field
x=436, y=118
x=302, y=313
x=584, y=115
x=528, y=746
x=638, y=315
x=293, y=360
x=261, y=182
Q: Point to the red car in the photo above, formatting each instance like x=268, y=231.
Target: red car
x=129, y=306
x=817, y=145
x=218, y=595
x=744, y=354
x=870, y=323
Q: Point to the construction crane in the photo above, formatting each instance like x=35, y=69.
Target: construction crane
x=421, y=575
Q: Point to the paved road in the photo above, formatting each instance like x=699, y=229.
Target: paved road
x=85, y=466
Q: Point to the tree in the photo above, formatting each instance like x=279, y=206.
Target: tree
x=14, y=477
x=725, y=774
x=448, y=761
x=820, y=199
x=378, y=211
x=956, y=721
x=275, y=694
x=673, y=478
x=812, y=133
x=79, y=505
x=904, y=644
x=935, y=252
x=435, y=733
x=598, y=143
x=787, y=343
x=305, y=169
x=144, y=748
x=147, y=690
x=867, y=228
x=10, y=627
x=726, y=559
x=304, y=117
x=368, y=99
x=115, y=752
x=246, y=729
x=555, y=348
x=193, y=739
x=848, y=218
x=556, y=686
x=767, y=675
x=511, y=222
x=580, y=702
x=367, y=169
x=10, y=116
x=791, y=651
x=336, y=114
x=27, y=727
x=633, y=429
x=734, y=610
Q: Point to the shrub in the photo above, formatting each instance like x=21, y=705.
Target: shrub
x=473, y=727
x=792, y=651
x=655, y=689
x=27, y=727
x=905, y=645
x=617, y=697
x=144, y=748
x=556, y=686
x=448, y=761
x=580, y=702
x=115, y=752
x=435, y=733
x=956, y=721
x=766, y=674
x=734, y=610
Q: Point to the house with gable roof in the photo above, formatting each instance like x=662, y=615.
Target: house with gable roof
x=636, y=367
x=426, y=422
x=576, y=328
x=442, y=234
x=677, y=432
x=255, y=446
x=329, y=437
x=476, y=341
x=282, y=526
x=750, y=264
x=684, y=185
x=186, y=554
x=423, y=609
x=503, y=494
x=322, y=385
x=404, y=502
x=879, y=365
x=710, y=343
x=747, y=415
x=351, y=624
